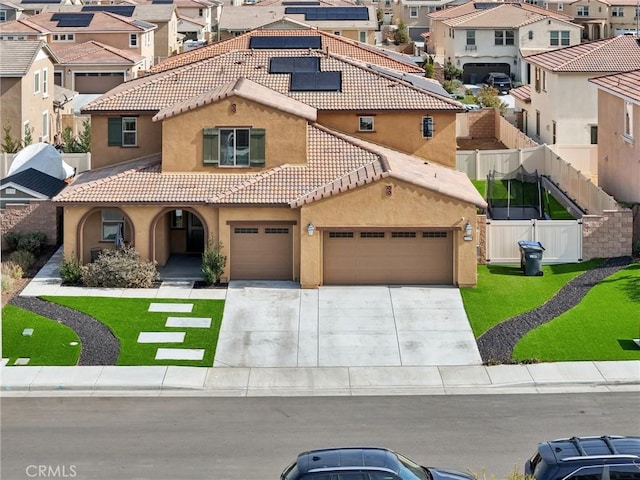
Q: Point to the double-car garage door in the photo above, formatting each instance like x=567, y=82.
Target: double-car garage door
x=387, y=257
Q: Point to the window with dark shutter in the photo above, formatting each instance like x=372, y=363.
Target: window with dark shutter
x=114, y=136
x=210, y=154
x=257, y=150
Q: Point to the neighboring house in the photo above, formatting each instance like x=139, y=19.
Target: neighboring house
x=484, y=37
x=9, y=11
x=34, y=7
x=623, y=17
x=92, y=67
x=27, y=98
x=22, y=29
x=414, y=13
x=619, y=136
x=355, y=22
x=562, y=107
x=192, y=29
x=198, y=19
x=29, y=186
x=65, y=29
x=335, y=44
x=287, y=156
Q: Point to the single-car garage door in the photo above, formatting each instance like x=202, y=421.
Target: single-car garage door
x=388, y=257
x=262, y=252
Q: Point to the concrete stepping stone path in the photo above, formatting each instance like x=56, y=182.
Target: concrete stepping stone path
x=171, y=307
x=161, y=337
x=180, y=354
x=191, y=322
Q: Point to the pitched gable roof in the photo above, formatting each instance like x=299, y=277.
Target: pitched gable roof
x=22, y=26
x=471, y=8
x=17, y=56
x=615, y=54
x=362, y=88
x=330, y=43
x=93, y=52
x=100, y=22
x=626, y=85
x=35, y=181
x=243, y=88
x=507, y=15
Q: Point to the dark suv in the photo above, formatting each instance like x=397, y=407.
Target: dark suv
x=586, y=458
x=499, y=81
x=363, y=463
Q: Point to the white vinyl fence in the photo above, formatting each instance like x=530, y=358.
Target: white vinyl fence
x=561, y=239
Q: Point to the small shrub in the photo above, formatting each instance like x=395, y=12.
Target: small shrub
x=71, y=270
x=12, y=270
x=32, y=242
x=213, y=262
x=6, y=283
x=120, y=268
x=23, y=258
x=12, y=239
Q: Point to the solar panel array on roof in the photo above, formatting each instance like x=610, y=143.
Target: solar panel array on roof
x=301, y=3
x=485, y=6
x=40, y=1
x=294, y=64
x=330, y=13
x=123, y=10
x=72, y=19
x=303, y=41
x=161, y=1
x=316, y=82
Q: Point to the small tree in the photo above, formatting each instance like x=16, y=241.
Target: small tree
x=451, y=72
x=401, y=35
x=429, y=68
x=84, y=137
x=9, y=144
x=488, y=97
x=69, y=143
x=213, y=262
x=28, y=137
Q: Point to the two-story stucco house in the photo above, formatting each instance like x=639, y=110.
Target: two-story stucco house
x=9, y=11
x=27, y=99
x=619, y=137
x=561, y=105
x=198, y=19
x=306, y=165
x=483, y=37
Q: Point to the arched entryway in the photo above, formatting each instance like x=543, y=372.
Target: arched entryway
x=103, y=228
x=178, y=232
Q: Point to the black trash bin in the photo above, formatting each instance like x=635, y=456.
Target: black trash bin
x=531, y=258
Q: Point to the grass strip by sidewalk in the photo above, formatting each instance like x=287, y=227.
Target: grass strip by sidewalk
x=127, y=317
x=50, y=343
x=601, y=327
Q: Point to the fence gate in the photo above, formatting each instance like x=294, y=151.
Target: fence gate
x=561, y=239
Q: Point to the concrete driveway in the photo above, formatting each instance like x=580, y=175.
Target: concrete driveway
x=277, y=324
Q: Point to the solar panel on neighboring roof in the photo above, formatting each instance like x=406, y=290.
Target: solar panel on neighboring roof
x=161, y=1
x=301, y=3
x=330, y=13
x=294, y=64
x=40, y=1
x=124, y=10
x=316, y=82
x=484, y=6
x=72, y=19
x=281, y=41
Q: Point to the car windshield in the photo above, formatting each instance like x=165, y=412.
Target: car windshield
x=290, y=473
x=410, y=470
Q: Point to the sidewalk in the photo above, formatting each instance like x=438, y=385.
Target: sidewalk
x=296, y=381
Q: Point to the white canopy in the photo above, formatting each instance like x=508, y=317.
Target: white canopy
x=42, y=157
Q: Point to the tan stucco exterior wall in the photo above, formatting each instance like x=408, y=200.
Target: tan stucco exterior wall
x=121, y=40
x=149, y=141
x=402, y=130
x=182, y=135
x=408, y=206
x=11, y=105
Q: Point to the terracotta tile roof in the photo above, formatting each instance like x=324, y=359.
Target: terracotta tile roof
x=193, y=20
x=469, y=7
x=362, y=88
x=100, y=22
x=327, y=3
x=22, y=26
x=336, y=163
x=330, y=42
x=522, y=93
x=507, y=15
x=17, y=56
x=615, y=54
x=93, y=52
x=245, y=89
x=625, y=85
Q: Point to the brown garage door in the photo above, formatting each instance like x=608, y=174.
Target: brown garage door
x=96, y=82
x=262, y=252
x=388, y=257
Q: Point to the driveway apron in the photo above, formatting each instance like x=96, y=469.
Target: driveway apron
x=277, y=324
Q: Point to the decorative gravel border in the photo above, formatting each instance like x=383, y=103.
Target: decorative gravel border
x=496, y=344
x=99, y=345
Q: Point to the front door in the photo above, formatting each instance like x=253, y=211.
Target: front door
x=195, y=234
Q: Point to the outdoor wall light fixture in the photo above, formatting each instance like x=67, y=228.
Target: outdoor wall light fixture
x=468, y=231
x=310, y=229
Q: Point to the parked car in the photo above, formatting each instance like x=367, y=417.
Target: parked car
x=363, y=463
x=586, y=458
x=499, y=81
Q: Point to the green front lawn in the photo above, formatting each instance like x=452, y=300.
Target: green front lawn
x=601, y=327
x=127, y=317
x=50, y=343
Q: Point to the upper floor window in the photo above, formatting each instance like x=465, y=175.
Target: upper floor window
x=36, y=82
x=637, y=12
x=560, y=6
x=544, y=80
x=363, y=37
x=537, y=79
x=63, y=37
x=45, y=82
x=559, y=38
x=427, y=127
x=593, y=130
x=413, y=12
x=234, y=147
x=122, y=132
x=617, y=11
x=365, y=124
x=628, y=120
x=3, y=15
x=200, y=12
x=133, y=39
x=45, y=125
x=583, y=11
x=471, y=37
x=13, y=37
x=504, y=37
